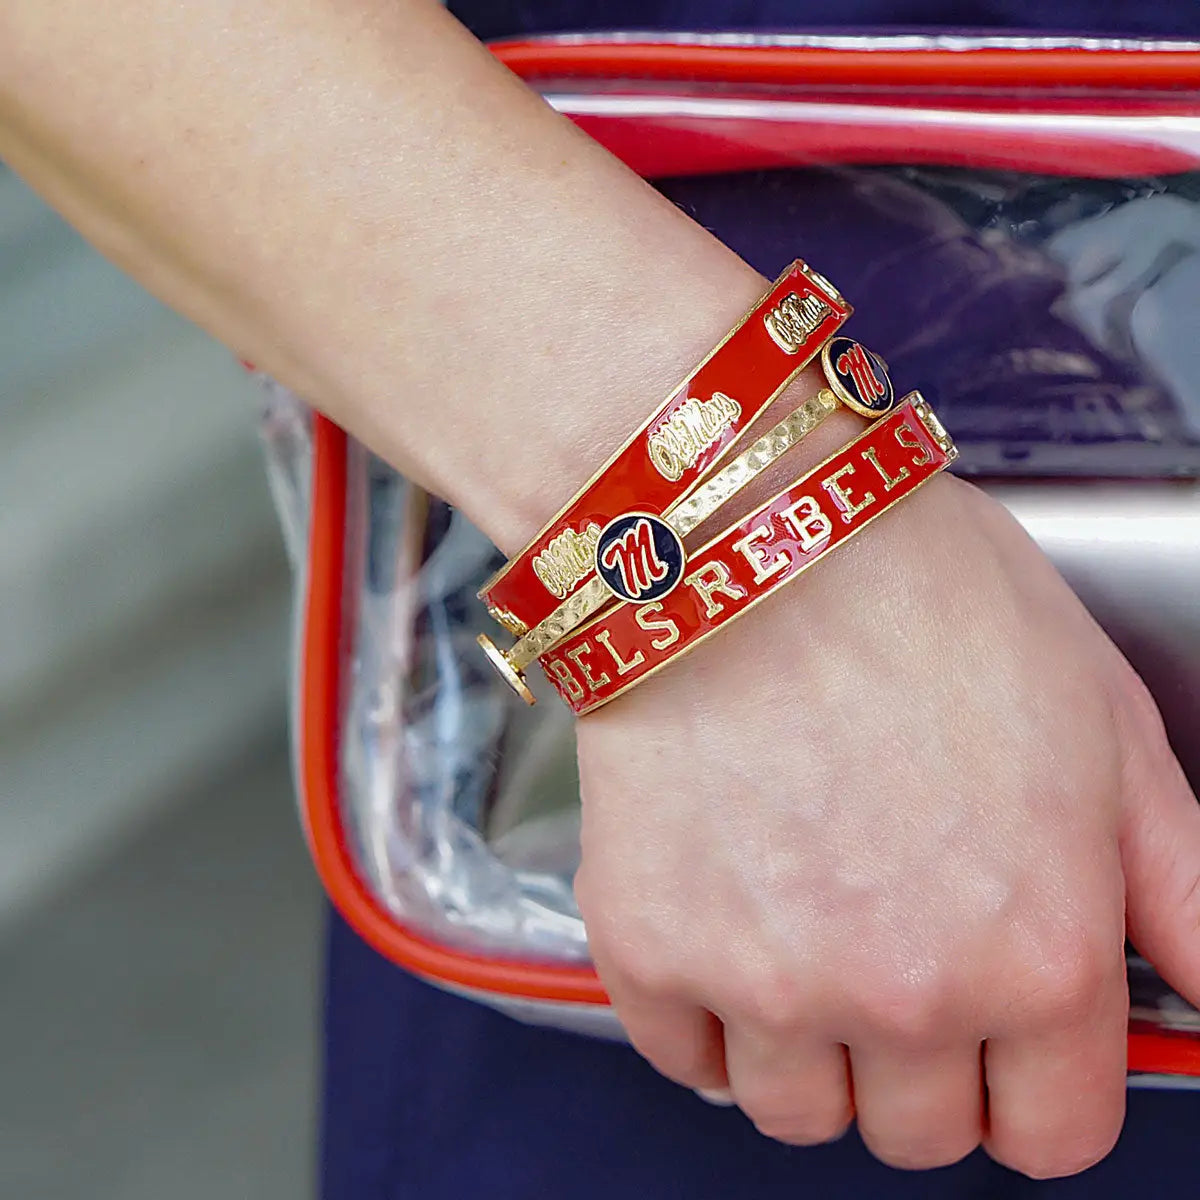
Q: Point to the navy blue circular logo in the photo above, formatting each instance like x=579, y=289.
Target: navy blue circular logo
x=858, y=376
x=639, y=557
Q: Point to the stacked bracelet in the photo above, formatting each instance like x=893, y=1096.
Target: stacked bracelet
x=611, y=582
x=753, y=558
x=606, y=595
x=677, y=446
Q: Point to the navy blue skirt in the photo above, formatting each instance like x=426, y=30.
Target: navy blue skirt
x=430, y=1097
x=435, y=1098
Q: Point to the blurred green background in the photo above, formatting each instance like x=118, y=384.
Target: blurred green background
x=159, y=923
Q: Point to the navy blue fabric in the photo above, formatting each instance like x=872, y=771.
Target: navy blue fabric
x=506, y=18
x=968, y=307
x=429, y=1097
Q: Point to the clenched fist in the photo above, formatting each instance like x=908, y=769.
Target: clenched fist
x=869, y=853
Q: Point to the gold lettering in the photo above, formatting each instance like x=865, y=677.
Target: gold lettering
x=567, y=559
x=710, y=578
x=794, y=320
x=915, y=443
x=562, y=673
x=623, y=667
x=841, y=496
x=812, y=526
x=576, y=656
x=764, y=566
x=642, y=616
x=889, y=481
x=694, y=426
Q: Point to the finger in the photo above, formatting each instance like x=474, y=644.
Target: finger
x=1160, y=851
x=795, y=1090
x=1056, y=1100
x=918, y=1110
x=682, y=1041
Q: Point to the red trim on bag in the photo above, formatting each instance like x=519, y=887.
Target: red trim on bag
x=1164, y=1052
x=659, y=147
x=320, y=711
x=323, y=659
x=1165, y=70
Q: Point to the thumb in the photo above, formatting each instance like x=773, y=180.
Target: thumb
x=1160, y=852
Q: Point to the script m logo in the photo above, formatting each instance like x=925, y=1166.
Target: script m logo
x=633, y=556
x=855, y=363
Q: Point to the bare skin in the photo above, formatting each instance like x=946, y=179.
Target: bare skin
x=828, y=913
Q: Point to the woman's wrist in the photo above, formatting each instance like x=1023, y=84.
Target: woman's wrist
x=573, y=407
x=438, y=260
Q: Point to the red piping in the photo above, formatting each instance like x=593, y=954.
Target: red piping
x=320, y=709
x=1161, y=70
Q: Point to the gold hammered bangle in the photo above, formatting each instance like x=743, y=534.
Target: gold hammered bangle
x=686, y=516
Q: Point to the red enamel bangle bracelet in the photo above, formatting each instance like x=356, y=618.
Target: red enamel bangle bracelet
x=751, y=559
x=678, y=444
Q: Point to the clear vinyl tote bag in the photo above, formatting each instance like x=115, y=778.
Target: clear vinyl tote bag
x=1039, y=203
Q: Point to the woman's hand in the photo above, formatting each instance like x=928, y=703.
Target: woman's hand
x=868, y=851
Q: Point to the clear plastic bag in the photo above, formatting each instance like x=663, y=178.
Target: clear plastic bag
x=1026, y=253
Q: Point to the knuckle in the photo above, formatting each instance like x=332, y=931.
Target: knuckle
x=775, y=1002
x=1043, y=1158
x=644, y=969
x=904, y=1011
x=1188, y=903
x=1146, y=755
x=802, y=1125
x=1067, y=978
x=1056, y=1147
x=920, y=1153
x=1140, y=710
x=681, y=1064
x=637, y=963
x=1073, y=991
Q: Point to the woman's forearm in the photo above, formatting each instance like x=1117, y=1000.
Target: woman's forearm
x=358, y=198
